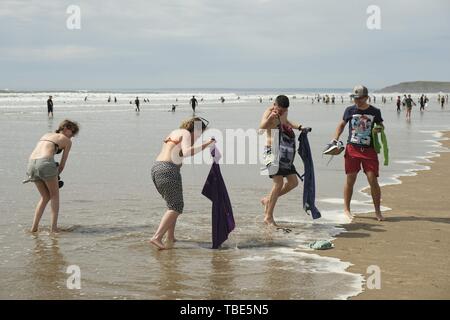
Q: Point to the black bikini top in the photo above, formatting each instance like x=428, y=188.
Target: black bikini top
x=57, y=149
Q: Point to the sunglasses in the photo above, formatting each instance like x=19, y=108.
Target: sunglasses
x=204, y=122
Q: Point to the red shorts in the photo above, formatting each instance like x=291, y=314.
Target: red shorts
x=357, y=156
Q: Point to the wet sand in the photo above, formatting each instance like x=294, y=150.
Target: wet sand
x=412, y=246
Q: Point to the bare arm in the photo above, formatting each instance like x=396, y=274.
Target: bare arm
x=65, y=156
x=187, y=150
x=339, y=129
x=267, y=118
x=295, y=125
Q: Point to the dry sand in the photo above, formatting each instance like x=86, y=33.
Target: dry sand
x=412, y=247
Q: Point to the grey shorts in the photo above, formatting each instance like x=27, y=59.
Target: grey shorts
x=167, y=179
x=41, y=169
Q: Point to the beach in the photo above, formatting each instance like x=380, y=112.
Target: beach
x=110, y=207
x=411, y=246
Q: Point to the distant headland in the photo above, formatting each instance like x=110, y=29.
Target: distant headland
x=417, y=87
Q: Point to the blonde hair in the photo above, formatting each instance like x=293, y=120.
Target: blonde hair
x=189, y=124
x=71, y=125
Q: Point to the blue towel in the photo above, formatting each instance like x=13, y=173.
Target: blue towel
x=222, y=212
x=309, y=184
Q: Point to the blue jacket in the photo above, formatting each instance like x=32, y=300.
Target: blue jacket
x=309, y=184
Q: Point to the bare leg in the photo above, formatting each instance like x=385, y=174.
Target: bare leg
x=53, y=188
x=273, y=197
x=376, y=193
x=170, y=240
x=292, y=183
x=45, y=198
x=348, y=192
x=168, y=220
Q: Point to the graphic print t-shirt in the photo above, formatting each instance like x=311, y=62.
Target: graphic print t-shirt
x=360, y=124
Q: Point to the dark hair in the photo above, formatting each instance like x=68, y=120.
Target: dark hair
x=282, y=101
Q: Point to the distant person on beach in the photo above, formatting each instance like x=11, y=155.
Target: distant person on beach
x=222, y=99
x=50, y=107
x=44, y=171
x=361, y=118
x=409, y=104
x=399, y=102
x=422, y=102
x=115, y=100
x=137, y=103
x=109, y=99
x=85, y=98
x=442, y=101
x=275, y=118
x=193, y=103
x=166, y=175
x=174, y=106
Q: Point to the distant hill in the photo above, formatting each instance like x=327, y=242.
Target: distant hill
x=417, y=87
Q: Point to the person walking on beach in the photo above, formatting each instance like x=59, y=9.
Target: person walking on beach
x=166, y=175
x=275, y=118
x=399, y=102
x=137, y=104
x=422, y=102
x=409, y=104
x=50, y=107
x=361, y=118
x=44, y=171
x=194, y=103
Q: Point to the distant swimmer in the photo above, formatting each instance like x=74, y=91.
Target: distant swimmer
x=174, y=106
x=137, y=104
x=44, y=171
x=442, y=101
x=409, y=104
x=399, y=103
x=333, y=99
x=201, y=99
x=50, y=106
x=193, y=103
x=222, y=99
x=260, y=100
x=238, y=98
x=422, y=102
x=109, y=99
x=85, y=98
x=115, y=100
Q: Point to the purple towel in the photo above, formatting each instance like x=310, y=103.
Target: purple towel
x=222, y=212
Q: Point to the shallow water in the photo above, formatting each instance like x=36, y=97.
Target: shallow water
x=110, y=208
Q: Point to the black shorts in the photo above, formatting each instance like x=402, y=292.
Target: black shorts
x=284, y=172
x=49, y=109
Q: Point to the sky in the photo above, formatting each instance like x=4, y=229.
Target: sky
x=144, y=44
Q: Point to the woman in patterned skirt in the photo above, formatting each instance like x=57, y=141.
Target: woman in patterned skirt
x=167, y=178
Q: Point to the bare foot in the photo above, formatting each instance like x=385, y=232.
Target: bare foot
x=34, y=230
x=170, y=243
x=157, y=244
x=348, y=215
x=270, y=222
x=380, y=217
x=56, y=230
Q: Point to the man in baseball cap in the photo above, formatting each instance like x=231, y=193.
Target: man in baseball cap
x=359, y=92
x=360, y=152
